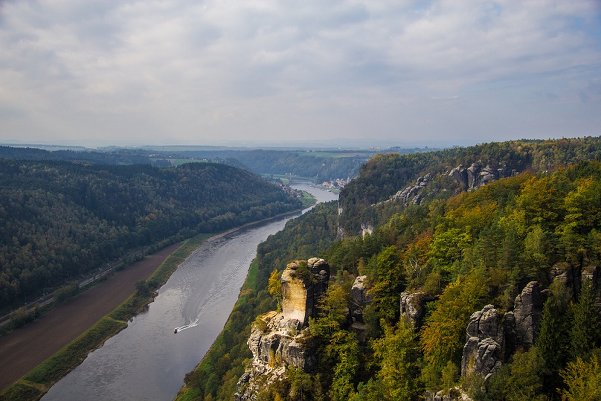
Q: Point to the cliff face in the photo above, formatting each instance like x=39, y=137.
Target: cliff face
x=303, y=282
x=278, y=340
x=492, y=337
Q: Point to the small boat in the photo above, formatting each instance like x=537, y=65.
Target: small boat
x=175, y=331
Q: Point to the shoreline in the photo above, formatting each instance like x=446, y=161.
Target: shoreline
x=35, y=382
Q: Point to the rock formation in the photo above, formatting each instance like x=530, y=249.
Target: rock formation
x=413, y=306
x=411, y=193
x=492, y=337
x=453, y=394
x=278, y=340
x=303, y=282
x=484, y=350
x=527, y=311
x=359, y=300
x=475, y=175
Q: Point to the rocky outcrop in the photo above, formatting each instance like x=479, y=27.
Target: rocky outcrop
x=412, y=193
x=359, y=300
x=593, y=274
x=527, y=311
x=279, y=340
x=303, y=282
x=492, y=337
x=366, y=229
x=483, y=352
x=413, y=306
x=475, y=175
x=453, y=394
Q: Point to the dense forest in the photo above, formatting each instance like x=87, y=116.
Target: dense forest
x=61, y=220
x=384, y=175
x=116, y=157
x=461, y=251
x=319, y=166
x=475, y=249
x=314, y=165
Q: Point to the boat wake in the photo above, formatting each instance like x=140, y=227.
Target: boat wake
x=186, y=326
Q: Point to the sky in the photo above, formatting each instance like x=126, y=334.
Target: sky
x=311, y=72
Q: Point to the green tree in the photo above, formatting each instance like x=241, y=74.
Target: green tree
x=582, y=380
x=443, y=335
x=525, y=382
x=397, y=353
x=585, y=333
x=447, y=249
x=274, y=286
x=386, y=276
x=343, y=347
x=553, y=340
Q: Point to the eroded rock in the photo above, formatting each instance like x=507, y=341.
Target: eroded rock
x=453, y=394
x=483, y=352
x=411, y=194
x=413, y=306
x=527, y=311
x=279, y=340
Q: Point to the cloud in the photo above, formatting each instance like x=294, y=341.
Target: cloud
x=213, y=71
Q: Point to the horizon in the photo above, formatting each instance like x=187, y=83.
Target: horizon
x=300, y=145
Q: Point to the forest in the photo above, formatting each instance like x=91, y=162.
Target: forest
x=385, y=174
x=318, y=166
x=217, y=374
x=460, y=250
x=62, y=220
x=312, y=165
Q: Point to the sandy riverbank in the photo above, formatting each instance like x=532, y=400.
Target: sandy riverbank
x=25, y=348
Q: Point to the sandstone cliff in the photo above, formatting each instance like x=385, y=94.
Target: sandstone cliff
x=278, y=340
x=492, y=337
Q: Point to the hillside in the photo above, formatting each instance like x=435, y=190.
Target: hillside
x=316, y=165
x=61, y=220
x=479, y=291
x=388, y=182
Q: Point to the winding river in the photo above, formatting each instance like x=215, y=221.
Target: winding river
x=147, y=361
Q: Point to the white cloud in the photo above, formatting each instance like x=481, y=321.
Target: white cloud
x=215, y=71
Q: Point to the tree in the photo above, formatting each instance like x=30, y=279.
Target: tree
x=585, y=333
x=553, y=340
x=386, y=276
x=398, y=354
x=274, y=286
x=443, y=335
x=525, y=382
x=583, y=380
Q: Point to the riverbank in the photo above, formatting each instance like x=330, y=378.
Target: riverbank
x=62, y=338
x=111, y=321
x=217, y=373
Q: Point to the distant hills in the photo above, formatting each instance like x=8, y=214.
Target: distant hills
x=60, y=220
x=311, y=164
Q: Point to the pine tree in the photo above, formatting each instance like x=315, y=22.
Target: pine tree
x=586, y=329
x=554, y=339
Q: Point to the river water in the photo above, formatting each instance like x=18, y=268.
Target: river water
x=147, y=361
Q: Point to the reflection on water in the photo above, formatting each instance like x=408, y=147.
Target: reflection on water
x=147, y=360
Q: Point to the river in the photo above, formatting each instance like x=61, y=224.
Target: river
x=147, y=361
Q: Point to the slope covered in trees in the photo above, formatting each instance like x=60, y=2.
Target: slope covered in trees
x=217, y=374
x=474, y=249
x=481, y=248
x=117, y=157
x=59, y=220
x=384, y=175
x=319, y=166
x=460, y=252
